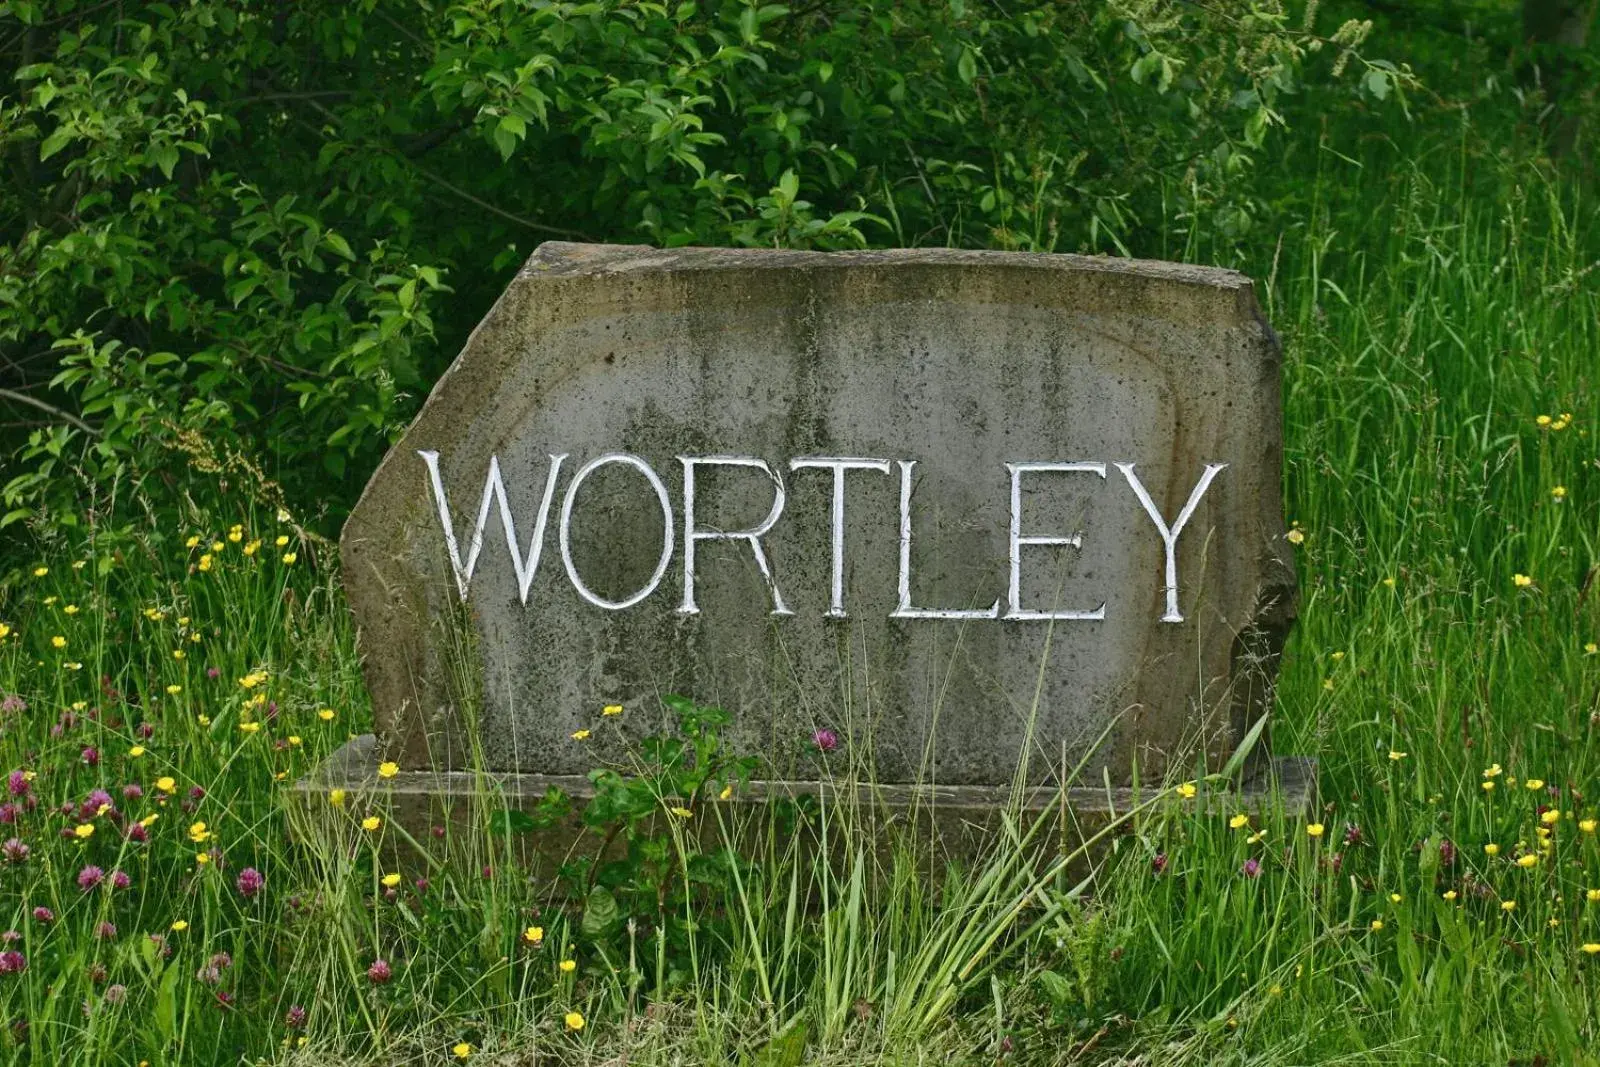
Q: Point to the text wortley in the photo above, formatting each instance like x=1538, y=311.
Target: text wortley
x=682, y=532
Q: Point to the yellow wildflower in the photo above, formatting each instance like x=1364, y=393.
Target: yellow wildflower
x=1534, y=783
x=167, y=784
x=1295, y=536
x=1590, y=649
x=40, y=572
x=174, y=689
x=1508, y=905
x=1542, y=420
x=611, y=709
x=1397, y=756
x=1239, y=821
x=727, y=791
x=1395, y=898
x=136, y=751
x=281, y=541
x=70, y=609
x=388, y=769
x=534, y=935
x=250, y=727
x=58, y=641
x=1521, y=581
x=568, y=966
x=294, y=740
x=336, y=797
x=1591, y=947
x=390, y=880
x=1377, y=924
x=179, y=925
x=253, y=679
x=1588, y=825
x=461, y=1050
x=1449, y=894
x=580, y=735
x=289, y=557
x=84, y=831
x=326, y=714
x=1558, y=493
x=218, y=546
x=1491, y=849
x=1488, y=785
x=198, y=832
x=1314, y=829
x=1551, y=817
x=202, y=858
x=682, y=813
x=1527, y=861
x=1187, y=790
x=371, y=823
x=252, y=548
x=574, y=1020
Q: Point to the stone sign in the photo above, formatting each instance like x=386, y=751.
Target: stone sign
x=943, y=504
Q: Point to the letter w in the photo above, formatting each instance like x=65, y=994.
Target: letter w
x=494, y=491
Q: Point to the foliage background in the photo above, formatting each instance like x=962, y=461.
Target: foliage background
x=270, y=225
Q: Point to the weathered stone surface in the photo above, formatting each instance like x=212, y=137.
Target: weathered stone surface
x=957, y=362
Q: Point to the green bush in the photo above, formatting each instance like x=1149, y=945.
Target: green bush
x=269, y=226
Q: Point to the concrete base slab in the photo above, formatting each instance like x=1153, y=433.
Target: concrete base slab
x=959, y=820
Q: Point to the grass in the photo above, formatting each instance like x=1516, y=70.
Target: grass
x=1435, y=300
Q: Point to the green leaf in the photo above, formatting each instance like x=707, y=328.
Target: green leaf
x=165, y=157
x=340, y=246
x=967, y=66
x=511, y=821
x=1058, y=989
x=54, y=143
x=601, y=915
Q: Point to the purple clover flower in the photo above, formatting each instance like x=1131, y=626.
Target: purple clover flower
x=250, y=882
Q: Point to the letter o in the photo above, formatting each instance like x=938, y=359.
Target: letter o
x=627, y=459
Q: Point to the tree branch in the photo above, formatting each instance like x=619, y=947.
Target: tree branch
x=23, y=398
